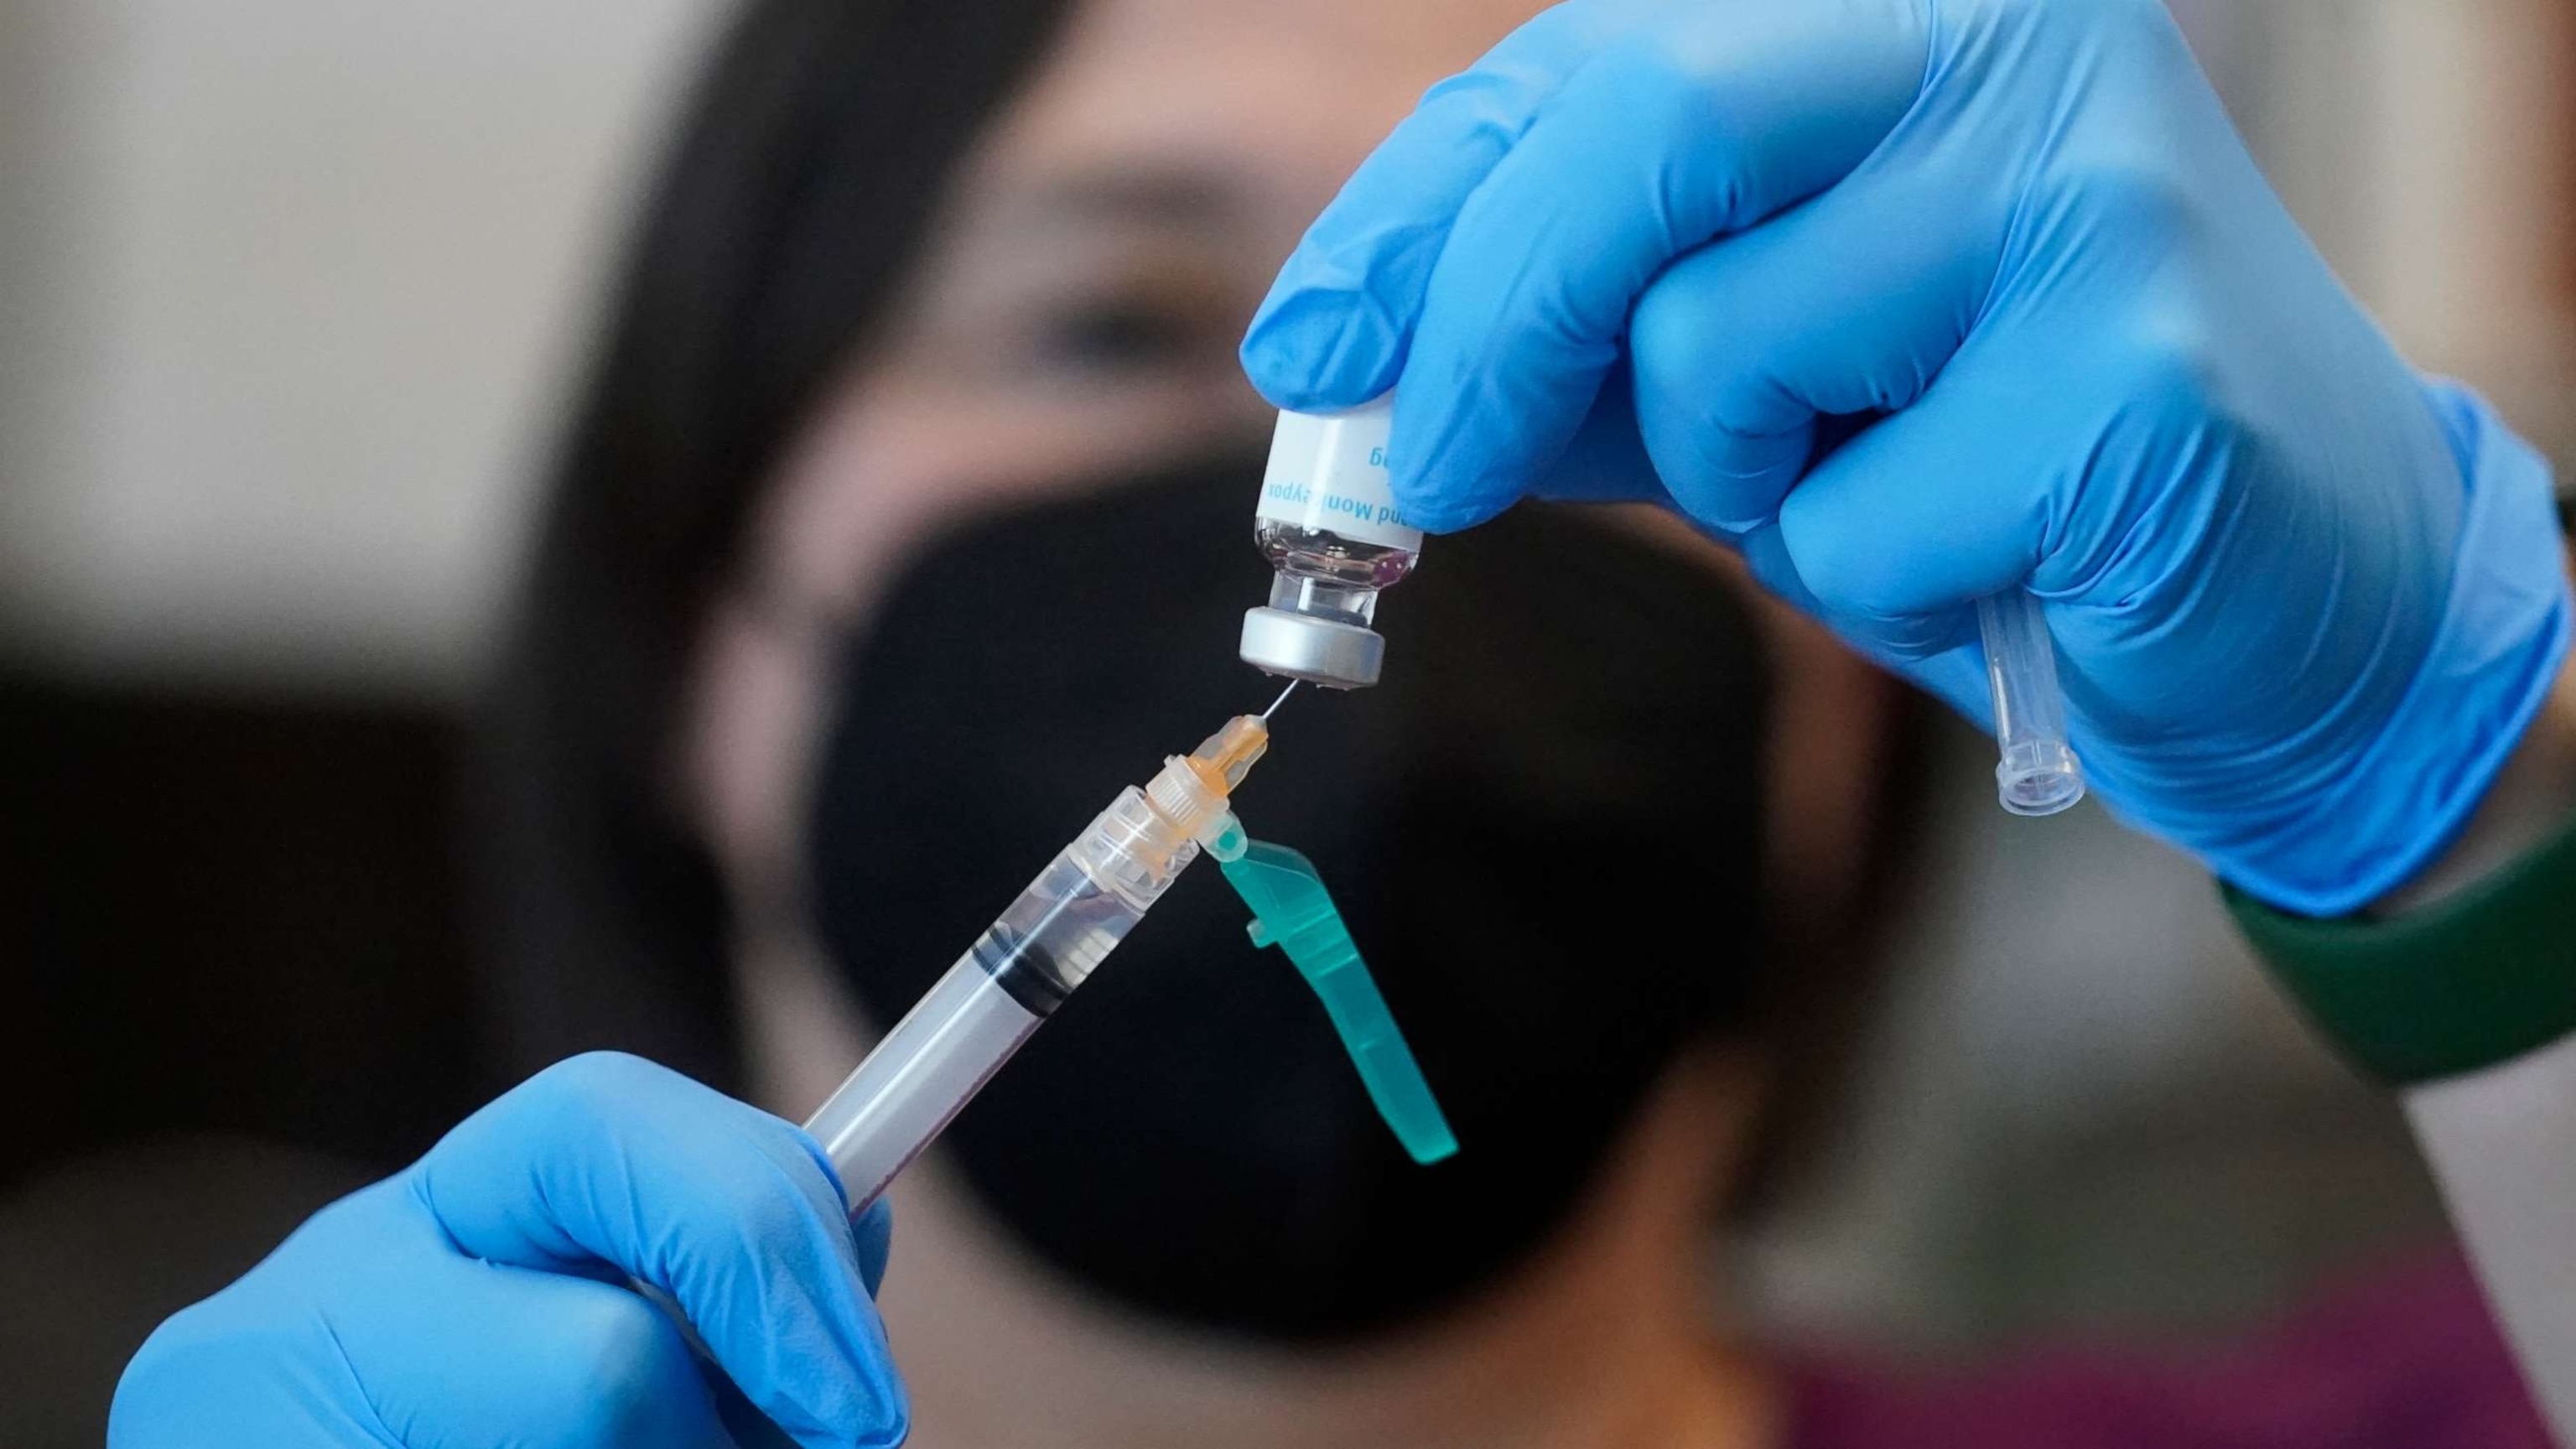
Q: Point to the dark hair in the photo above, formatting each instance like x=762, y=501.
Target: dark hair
x=785, y=217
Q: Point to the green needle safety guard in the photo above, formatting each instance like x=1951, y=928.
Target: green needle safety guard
x=1292, y=911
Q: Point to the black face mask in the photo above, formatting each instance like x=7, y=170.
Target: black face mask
x=1543, y=830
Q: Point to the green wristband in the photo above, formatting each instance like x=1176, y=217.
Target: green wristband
x=2453, y=987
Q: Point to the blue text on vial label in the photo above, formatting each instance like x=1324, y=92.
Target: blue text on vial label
x=1294, y=494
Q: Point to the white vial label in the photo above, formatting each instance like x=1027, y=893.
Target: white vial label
x=1328, y=471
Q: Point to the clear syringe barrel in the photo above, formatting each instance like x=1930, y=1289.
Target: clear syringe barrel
x=2038, y=773
x=1023, y=967
x=968, y=1024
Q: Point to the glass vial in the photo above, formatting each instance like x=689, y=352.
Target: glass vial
x=1328, y=523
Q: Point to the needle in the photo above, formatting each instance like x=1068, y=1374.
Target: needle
x=1282, y=699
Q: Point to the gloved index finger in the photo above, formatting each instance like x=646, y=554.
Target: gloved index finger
x=1333, y=329
x=607, y=1160
x=1703, y=123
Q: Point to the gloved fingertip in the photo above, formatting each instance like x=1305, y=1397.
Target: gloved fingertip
x=881, y=1420
x=1729, y=482
x=894, y=1425
x=874, y=1232
x=1607, y=460
x=850, y=1395
x=1431, y=507
x=1893, y=641
x=1453, y=464
x=1320, y=349
x=876, y=1412
x=1766, y=555
x=1957, y=677
x=1915, y=639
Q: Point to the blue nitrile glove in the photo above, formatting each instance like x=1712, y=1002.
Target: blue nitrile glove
x=2306, y=599
x=480, y=1299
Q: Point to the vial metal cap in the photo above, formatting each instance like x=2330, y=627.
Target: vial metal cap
x=1319, y=651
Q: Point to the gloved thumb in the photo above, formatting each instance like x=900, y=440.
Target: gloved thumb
x=1897, y=533
x=609, y=1166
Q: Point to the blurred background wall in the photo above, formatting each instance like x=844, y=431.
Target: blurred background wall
x=288, y=290
x=285, y=289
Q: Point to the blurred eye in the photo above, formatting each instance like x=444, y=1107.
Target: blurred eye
x=1080, y=309
x=1117, y=335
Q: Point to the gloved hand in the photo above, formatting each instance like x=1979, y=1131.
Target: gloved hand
x=480, y=1298
x=2058, y=333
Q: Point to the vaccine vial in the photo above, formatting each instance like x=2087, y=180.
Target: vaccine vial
x=1328, y=523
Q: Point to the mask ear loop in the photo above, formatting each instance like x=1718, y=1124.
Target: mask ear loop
x=1292, y=910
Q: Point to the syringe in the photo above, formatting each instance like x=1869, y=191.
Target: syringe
x=2038, y=774
x=1016, y=974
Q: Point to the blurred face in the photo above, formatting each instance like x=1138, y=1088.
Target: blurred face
x=1075, y=316
x=1076, y=312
